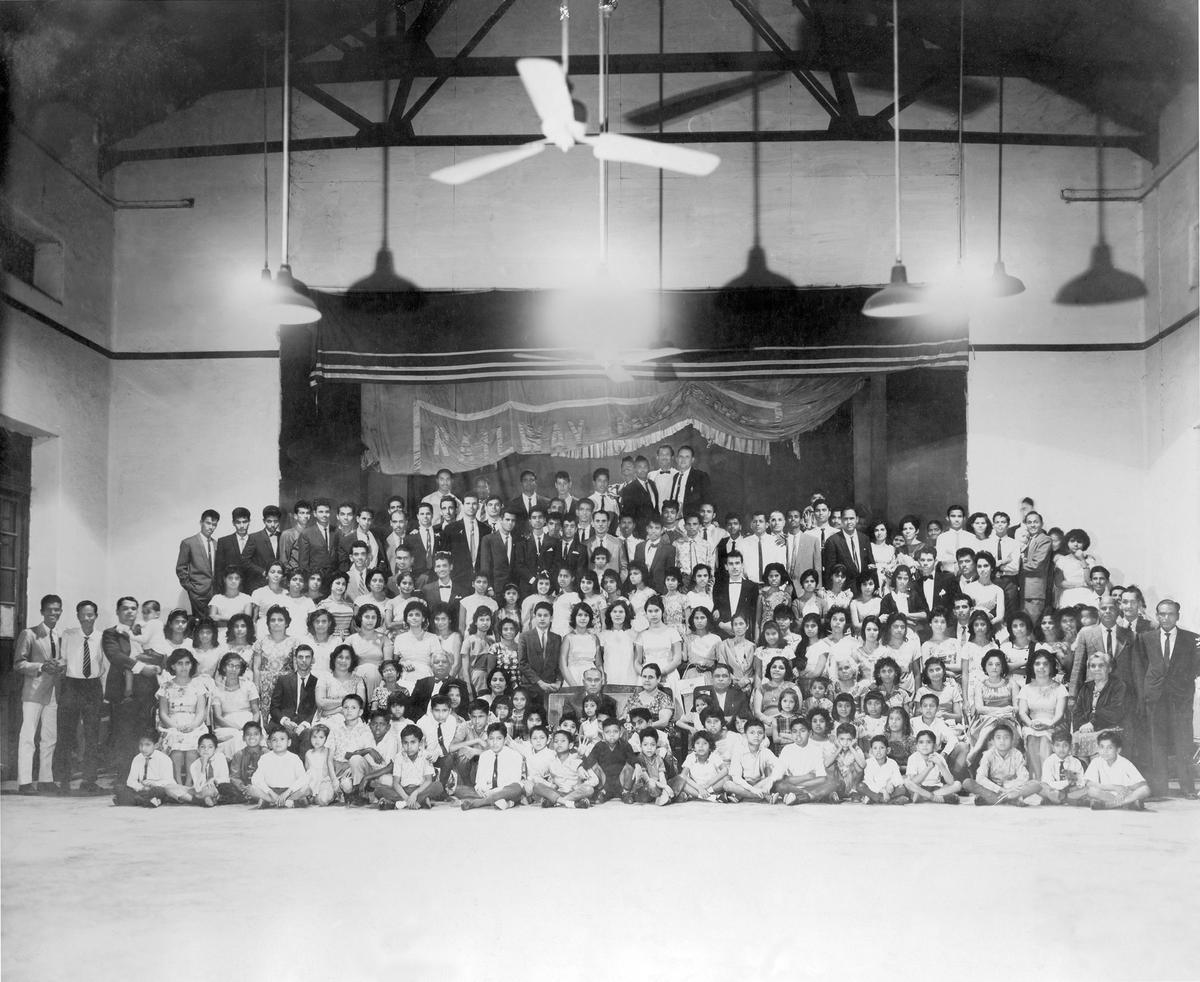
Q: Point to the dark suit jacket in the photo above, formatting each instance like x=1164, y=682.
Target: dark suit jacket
x=193, y=569
x=737, y=703
x=575, y=555
x=1175, y=683
x=433, y=596
x=1111, y=709
x=916, y=602
x=422, y=560
x=311, y=553
x=746, y=606
x=945, y=589
x=115, y=646
x=346, y=540
x=640, y=502
x=664, y=558
x=283, y=699
x=257, y=559
x=837, y=551
x=424, y=690
x=533, y=560
x=517, y=505
x=228, y=555
x=538, y=663
x=696, y=493
x=494, y=562
x=454, y=541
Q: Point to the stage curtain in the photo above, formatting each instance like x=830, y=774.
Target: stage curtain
x=417, y=429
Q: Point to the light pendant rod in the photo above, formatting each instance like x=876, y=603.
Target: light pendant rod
x=266, y=270
x=896, y=118
x=287, y=120
x=1000, y=169
x=603, y=11
x=1100, y=178
x=564, y=18
x=962, y=172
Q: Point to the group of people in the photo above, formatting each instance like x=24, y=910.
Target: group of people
x=619, y=644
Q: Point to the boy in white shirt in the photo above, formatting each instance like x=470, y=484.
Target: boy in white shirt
x=210, y=775
x=351, y=742
x=1002, y=777
x=414, y=781
x=752, y=767
x=499, y=779
x=946, y=742
x=151, y=779
x=567, y=783
x=280, y=779
x=703, y=775
x=1111, y=780
x=726, y=743
x=801, y=773
x=882, y=783
x=1062, y=774
x=927, y=776
x=440, y=728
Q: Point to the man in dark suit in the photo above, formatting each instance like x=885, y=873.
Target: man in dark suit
x=733, y=530
x=593, y=685
x=233, y=549
x=462, y=539
x=727, y=699
x=316, y=548
x=1133, y=606
x=294, y=700
x=424, y=544
x=849, y=547
x=262, y=550
x=656, y=554
x=937, y=587
x=538, y=651
x=537, y=551
x=572, y=550
x=639, y=497
x=362, y=531
x=134, y=716
x=1167, y=690
x=500, y=553
x=196, y=566
x=1037, y=564
x=691, y=488
x=736, y=595
x=441, y=590
x=527, y=500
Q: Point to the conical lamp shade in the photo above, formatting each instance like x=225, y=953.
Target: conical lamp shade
x=1102, y=282
x=1002, y=284
x=898, y=299
x=285, y=303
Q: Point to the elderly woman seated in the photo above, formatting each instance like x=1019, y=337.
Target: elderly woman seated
x=1103, y=703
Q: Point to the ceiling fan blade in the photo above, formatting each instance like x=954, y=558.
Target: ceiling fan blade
x=546, y=84
x=617, y=373
x=468, y=170
x=631, y=150
x=688, y=103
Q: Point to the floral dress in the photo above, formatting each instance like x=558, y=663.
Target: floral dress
x=187, y=704
x=272, y=659
x=509, y=659
x=674, y=611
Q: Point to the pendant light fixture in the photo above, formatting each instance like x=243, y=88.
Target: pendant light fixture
x=1101, y=282
x=899, y=298
x=286, y=304
x=1001, y=284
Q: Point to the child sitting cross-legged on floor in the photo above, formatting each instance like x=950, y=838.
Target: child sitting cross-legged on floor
x=414, y=782
x=703, y=774
x=209, y=775
x=1062, y=774
x=849, y=762
x=565, y=782
x=151, y=778
x=801, y=775
x=280, y=779
x=499, y=777
x=652, y=771
x=751, y=767
x=927, y=774
x=1002, y=777
x=882, y=783
x=1111, y=780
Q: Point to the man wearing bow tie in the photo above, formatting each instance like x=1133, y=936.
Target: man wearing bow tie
x=664, y=476
x=639, y=497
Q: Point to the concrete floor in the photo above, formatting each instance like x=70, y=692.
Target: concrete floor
x=92, y=892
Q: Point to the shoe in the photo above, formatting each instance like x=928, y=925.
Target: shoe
x=155, y=802
x=627, y=797
x=951, y=799
x=28, y=789
x=790, y=798
x=1136, y=806
x=387, y=806
x=502, y=804
x=90, y=787
x=601, y=798
x=452, y=782
x=979, y=800
x=47, y=787
x=425, y=804
x=1190, y=796
x=547, y=803
x=64, y=789
x=1097, y=806
x=835, y=799
x=583, y=803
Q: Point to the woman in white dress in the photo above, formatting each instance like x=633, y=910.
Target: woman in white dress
x=341, y=609
x=414, y=648
x=868, y=651
x=564, y=603
x=700, y=645
x=182, y=711
x=580, y=648
x=659, y=644
x=321, y=637
x=1073, y=570
x=206, y=649
x=266, y=597
x=235, y=702
x=340, y=681
x=370, y=644
x=298, y=603
x=988, y=596
x=448, y=638
x=1041, y=708
x=617, y=646
x=223, y=606
x=376, y=592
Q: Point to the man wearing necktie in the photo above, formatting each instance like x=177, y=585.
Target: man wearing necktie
x=37, y=660
x=1169, y=688
x=262, y=549
x=1109, y=638
x=498, y=553
x=196, y=566
x=80, y=699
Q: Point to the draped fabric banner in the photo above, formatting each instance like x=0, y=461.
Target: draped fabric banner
x=417, y=429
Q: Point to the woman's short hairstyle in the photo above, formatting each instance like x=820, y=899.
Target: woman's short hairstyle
x=229, y=657
x=624, y=605
x=361, y=612
x=1041, y=653
x=871, y=619
x=333, y=657
x=415, y=605
x=339, y=575
x=787, y=667
x=970, y=524
x=204, y=622
x=932, y=660
x=1024, y=619
x=312, y=620
x=701, y=609
x=579, y=608
x=654, y=601
x=178, y=655
x=653, y=666
x=886, y=661
x=1080, y=536
x=278, y=609
x=778, y=568
x=994, y=653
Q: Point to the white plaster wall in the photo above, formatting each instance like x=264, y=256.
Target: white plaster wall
x=185, y=436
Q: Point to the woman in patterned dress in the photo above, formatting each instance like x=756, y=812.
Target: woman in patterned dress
x=272, y=655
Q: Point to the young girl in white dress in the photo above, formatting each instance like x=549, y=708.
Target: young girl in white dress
x=659, y=644
x=564, y=603
x=617, y=642
x=580, y=648
x=318, y=764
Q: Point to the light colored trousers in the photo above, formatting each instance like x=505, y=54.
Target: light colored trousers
x=33, y=713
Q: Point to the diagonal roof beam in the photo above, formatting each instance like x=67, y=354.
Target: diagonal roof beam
x=335, y=106
x=776, y=43
x=417, y=35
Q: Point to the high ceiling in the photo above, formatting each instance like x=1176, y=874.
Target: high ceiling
x=131, y=63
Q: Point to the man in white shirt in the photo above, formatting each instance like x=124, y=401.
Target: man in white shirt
x=664, y=475
x=445, y=489
x=811, y=545
x=356, y=585
x=1008, y=560
x=37, y=659
x=710, y=531
x=499, y=776
x=80, y=699
x=692, y=551
x=1110, y=780
x=801, y=775
x=953, y=539
x=759, y=548
x=602, y=498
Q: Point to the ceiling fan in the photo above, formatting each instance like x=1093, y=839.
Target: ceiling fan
x=546, y=82
x=616, y=365
x=850, y=34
